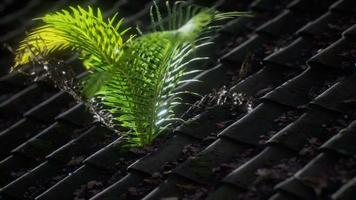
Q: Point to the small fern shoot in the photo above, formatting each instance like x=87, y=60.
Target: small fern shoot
x=131, y=81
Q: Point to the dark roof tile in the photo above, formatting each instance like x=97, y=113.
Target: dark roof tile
x=321, y=177
x=20, y=12
x=351, y=32
x=13, y=167
x=269, y=5
x=21, y=187
x=283, y=196
x=60, y=163
x=344, y=6
x=17, y=134
x=201, y=168
x=339, y=97
x=218, y=76
x=119, y=190
x=329, y=26
x=25, y=99
x=46, y=141
x=169, y=152
x=172, y=187
x=296, y=188
x=344, y=142
x=346, y=192
x=227, y=193
x=301, y=89
x=259, y=122
x=112, y=156
x=284, y=24
x=294, y=55
x=338, y=55
x=246, y=174
x=86, y=144
x=50, y=108
x=244, y=26
x=67, y=187
x=238, y=55
x=310, y=5
x=210, y=118
x=311, y=126
x=264, y=81
x=15, y=79
x=78, y=115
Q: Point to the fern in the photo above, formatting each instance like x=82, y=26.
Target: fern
x=131, y=83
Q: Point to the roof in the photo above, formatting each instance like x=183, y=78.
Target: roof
x=292, y=137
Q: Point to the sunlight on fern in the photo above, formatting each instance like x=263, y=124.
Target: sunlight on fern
x=131, y=82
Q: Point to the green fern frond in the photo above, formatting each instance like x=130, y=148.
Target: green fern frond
x=133, y=82
x=80, y=29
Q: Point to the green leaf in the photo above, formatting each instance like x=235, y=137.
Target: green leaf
x=93, y=83
x=132, y=83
